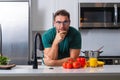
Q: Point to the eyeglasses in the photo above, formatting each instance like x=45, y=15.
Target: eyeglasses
x=64, y=22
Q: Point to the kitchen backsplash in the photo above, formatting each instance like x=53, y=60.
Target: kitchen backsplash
x=95, y=38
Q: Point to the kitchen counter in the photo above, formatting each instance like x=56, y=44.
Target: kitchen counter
x=25, y=72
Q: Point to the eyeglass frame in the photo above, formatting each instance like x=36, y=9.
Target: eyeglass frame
x=66, y=22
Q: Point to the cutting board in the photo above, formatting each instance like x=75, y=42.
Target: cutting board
x=9, y=66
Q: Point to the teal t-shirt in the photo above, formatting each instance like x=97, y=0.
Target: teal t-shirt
x=71, y=41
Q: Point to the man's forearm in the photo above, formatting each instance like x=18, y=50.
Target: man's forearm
x=55, y=62
x=53, y=53
x=60, y=61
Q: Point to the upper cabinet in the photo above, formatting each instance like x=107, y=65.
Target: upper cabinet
x=41, y=14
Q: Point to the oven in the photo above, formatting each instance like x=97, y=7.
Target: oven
x=99, y=15
x=110, y=60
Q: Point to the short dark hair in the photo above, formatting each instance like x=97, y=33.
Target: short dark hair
x=62, y=12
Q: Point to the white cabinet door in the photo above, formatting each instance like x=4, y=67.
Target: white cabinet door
x=41, y=14
x=71, y=6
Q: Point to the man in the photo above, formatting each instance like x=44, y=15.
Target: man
x=62, y=42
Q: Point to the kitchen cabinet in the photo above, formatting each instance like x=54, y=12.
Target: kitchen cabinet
x=25, y=72
x=41, y=15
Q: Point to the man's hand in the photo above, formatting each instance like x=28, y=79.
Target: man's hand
x=60, y=36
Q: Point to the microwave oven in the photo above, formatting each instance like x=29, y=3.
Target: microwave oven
x=99, y=15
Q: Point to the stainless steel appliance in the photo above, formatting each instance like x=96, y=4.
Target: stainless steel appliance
x=14, y=31
x=110, y=60
x=99, y=15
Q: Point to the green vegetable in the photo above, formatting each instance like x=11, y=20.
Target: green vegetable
x=3, y=60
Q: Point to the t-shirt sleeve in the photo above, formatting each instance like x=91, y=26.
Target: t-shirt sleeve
x=76, y=41
x=46, y=41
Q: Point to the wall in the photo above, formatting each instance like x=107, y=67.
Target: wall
x=95, y=38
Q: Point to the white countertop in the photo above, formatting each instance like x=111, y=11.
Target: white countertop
x=27, y=70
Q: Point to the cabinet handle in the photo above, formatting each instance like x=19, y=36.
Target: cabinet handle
x=52, y=19
x=0, y=40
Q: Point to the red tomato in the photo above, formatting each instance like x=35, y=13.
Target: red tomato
x=83, y=64
x=76, y=64
x=81, y=59
x=64, y=65
x=70, y=60
x=69, y=66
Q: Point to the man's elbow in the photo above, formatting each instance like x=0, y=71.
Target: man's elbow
x=49, y=62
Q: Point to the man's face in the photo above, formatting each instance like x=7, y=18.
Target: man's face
x=61, y=23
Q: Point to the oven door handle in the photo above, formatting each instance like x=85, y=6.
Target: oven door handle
x=115, y=14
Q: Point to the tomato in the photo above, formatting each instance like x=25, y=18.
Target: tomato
x=64, y=65
x=76, y=64
x=83, y=64
x=81, y=59
x=69, y=66
x=70, y=60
